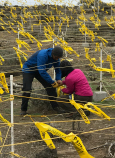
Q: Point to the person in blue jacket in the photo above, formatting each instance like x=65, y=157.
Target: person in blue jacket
x=36, y=67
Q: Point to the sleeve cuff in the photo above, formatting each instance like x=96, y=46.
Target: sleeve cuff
x=63, y=82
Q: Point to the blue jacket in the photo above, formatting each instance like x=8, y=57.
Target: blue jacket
x=41, y=61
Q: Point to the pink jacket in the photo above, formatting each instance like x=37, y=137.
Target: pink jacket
x=77, y=82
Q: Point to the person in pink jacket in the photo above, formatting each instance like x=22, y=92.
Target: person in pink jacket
x=77, y=84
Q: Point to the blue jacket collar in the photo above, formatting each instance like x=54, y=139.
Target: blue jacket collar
x=49, y=50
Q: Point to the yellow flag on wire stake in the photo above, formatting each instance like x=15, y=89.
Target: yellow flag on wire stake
x=19, y=52
x=74, y=139
x=3, y=82
x=4, y=120
x=79, y=109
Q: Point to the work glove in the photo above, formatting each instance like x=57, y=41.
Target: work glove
x=55, y=85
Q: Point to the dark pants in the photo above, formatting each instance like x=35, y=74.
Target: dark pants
x=70, y=108
x=27, y=86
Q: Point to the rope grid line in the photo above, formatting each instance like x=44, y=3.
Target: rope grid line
x=44, y=99
x=52, y=100
x=58, y=137
x=26, y=123
x=19, y=70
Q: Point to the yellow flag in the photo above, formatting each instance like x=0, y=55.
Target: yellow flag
x=3, y=82
x=75, y=140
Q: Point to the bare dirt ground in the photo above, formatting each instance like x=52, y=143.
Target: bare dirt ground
x=96, y=136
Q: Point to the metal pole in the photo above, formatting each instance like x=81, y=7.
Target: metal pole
x=111, y=11
x=40, y=23
x=47, y=7
x=59, y=26
x=21, y=19
x=94, y=4
x=18, y=35
x=53, y=43
x=12, y=128
x=98, y=6
x=101, y=67
x=30, y=21
x=53, y=69
x=77, y=20
x=65, y=8
x=64, y=43
x=66, y=29
x=85, y=31
x=71, y=10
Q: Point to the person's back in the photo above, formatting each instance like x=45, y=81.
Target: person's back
x=39, y=59
x=78, y=83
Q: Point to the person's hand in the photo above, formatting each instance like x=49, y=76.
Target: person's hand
x=60, y=83
x=55, y=85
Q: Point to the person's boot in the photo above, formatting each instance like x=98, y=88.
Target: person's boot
x=23, y=112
